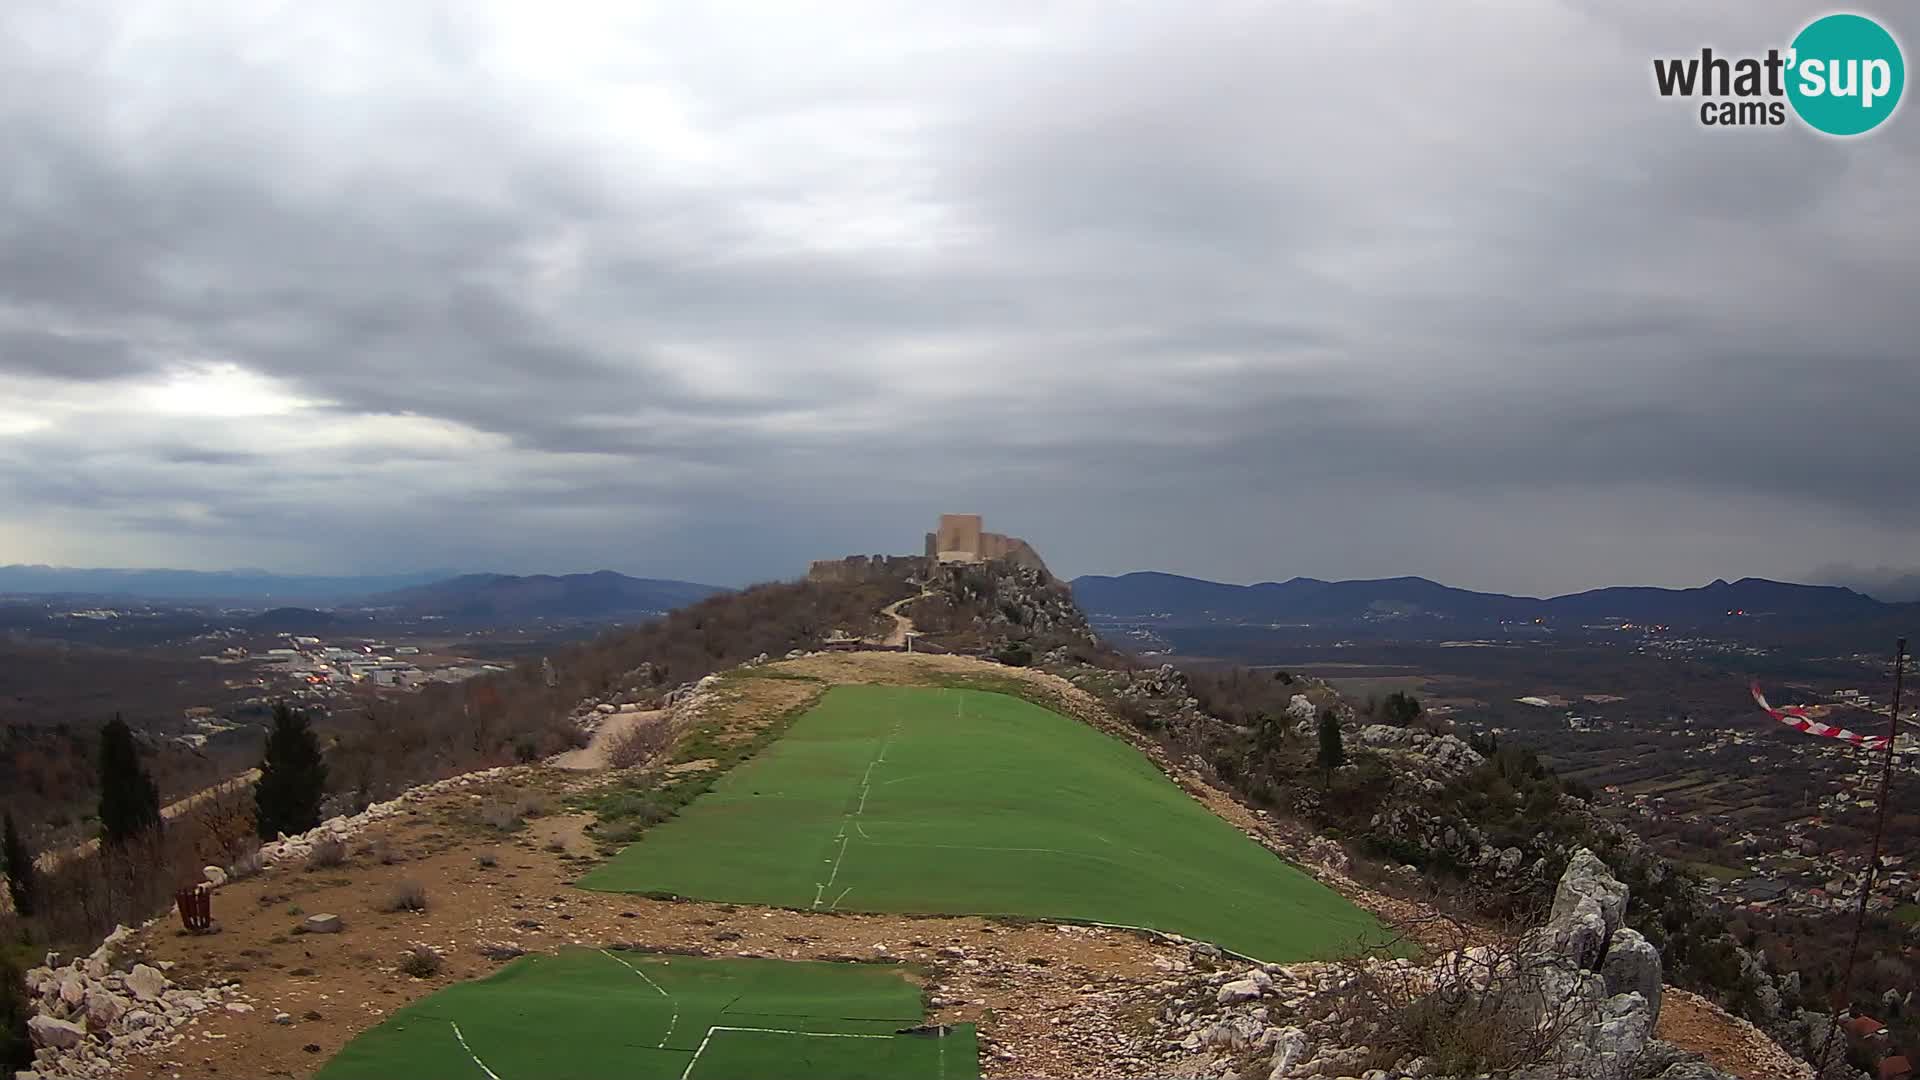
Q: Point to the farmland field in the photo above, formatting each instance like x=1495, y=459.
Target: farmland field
x=588, y=1014
x=949, y=801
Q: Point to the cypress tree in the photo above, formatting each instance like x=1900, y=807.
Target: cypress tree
x=1333, y=752
x=293, y=778
x=19, y=865
x=129, y=800
x=16, y=1042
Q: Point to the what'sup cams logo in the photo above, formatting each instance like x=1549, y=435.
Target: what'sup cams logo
x=1842, y=75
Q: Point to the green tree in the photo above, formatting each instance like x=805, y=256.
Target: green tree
x=293, y=778
x=1333, y=753
x=19, y=866
x=1401, y=708
x=129, y=800
x=16, y=1042
x=1269, y=734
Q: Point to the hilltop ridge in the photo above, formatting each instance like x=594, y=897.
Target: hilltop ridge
x=1171, y=596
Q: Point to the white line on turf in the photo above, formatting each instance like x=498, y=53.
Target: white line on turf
x=844, y=839
x=688, y=1071
x=866, y=788
x=842, y=896
x=469, y=1050
x=675, y=1019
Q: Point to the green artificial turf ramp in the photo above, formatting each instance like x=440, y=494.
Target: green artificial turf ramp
x=947, y=801
x=591, y=1015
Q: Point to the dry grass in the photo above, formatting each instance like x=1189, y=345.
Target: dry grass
x=327, y=854
x=407, y=896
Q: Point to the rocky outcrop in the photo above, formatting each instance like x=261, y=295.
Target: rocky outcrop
x=1002, y=601
x=1575, y=999
x=1434, y=759
x=89, y=1015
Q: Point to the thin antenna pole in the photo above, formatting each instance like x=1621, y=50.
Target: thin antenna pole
x=1873, y=862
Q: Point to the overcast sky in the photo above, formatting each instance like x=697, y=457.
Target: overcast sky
x=1240, y=290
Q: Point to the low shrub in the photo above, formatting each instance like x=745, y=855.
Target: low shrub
x=421, y=962
x=327, y=854
x=407, y=896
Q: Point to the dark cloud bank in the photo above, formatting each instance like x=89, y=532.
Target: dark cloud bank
x=1312, y=290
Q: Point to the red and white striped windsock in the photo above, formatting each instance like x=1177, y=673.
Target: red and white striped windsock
x=1800, y=718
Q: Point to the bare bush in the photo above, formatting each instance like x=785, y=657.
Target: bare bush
x=504, y=816
x=246, y=866
x=85, y=893
x=407, y=896
x=327, y=855
x=1486, y=1008
x=421, y=962
x=638, y=744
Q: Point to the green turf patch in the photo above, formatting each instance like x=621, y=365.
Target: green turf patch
x=591, y=1015
x=955, y=801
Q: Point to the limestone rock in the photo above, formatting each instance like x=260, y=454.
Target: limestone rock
x=1692, y=1070
x=59, y=1034
x=1587, y=878
x=73, y=990
x=325, y=923
x=1289, y=1049
x=1632, y=965
x=1625, y=1028
x=103, y=1009
x=1237, y=991
x=145, y=983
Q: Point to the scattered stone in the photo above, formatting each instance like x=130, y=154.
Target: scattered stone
x=323, y=924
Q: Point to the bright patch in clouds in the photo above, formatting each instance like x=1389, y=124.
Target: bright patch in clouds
x=217, y=390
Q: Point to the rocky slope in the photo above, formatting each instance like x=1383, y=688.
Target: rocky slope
x=1576, y=999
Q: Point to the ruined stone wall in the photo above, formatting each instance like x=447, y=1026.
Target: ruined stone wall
x=856, y=568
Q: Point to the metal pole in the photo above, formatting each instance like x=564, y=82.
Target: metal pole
x=1873, y=861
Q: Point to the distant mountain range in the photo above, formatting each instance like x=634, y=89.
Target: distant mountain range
x=239, y=587
x=568, y=596
x=294, y=598
x=1172, y=598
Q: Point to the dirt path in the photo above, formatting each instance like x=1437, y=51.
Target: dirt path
x=902, y=625
x=1729, y=1044
x=47, y=860
x=594, y=754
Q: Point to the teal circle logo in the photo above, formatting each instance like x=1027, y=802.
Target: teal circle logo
x=1846, y=74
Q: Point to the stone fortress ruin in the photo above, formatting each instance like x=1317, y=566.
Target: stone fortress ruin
x=958, y=539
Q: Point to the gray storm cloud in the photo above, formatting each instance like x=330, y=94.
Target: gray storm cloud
x=697, y=291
